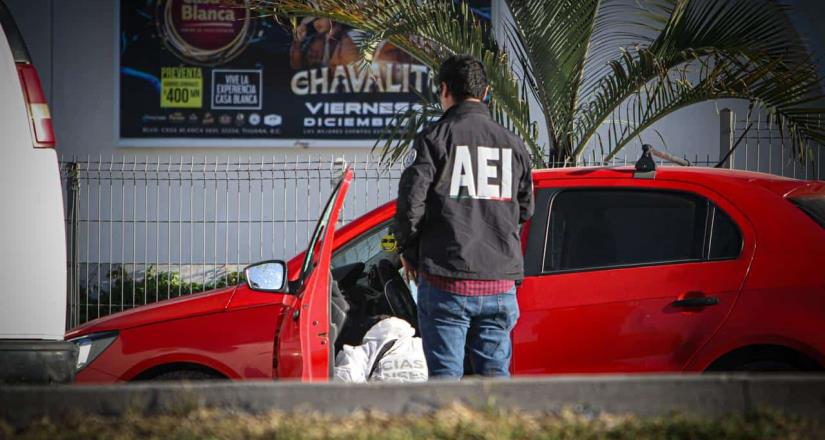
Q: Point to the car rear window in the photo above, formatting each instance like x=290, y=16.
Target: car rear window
x=814, y=206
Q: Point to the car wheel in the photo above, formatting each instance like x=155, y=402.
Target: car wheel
x=764, y=359
x=191, y=375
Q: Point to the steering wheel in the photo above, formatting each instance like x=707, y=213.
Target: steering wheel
x=397, y=293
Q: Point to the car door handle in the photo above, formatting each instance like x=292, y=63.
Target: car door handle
x=701, y=301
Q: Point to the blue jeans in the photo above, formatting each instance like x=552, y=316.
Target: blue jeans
x=447, y=322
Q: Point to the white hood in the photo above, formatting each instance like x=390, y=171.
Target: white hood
x=403, y=362
x=389, y=329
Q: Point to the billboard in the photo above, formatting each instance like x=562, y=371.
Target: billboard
x=192, y=72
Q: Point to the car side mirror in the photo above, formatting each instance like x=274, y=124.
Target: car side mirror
x=267, y=276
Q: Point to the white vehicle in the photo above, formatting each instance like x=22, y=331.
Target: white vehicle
x=32, y=234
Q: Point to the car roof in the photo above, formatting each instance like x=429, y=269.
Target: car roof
x=698, y=175
x=688, y=173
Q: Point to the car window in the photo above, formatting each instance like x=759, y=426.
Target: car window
x=725, y=239
x=366, y=249
x=311, y=256
x=598, y=228
x=814, y=206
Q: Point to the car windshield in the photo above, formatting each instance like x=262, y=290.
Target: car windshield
x=315, y=243
x=367, y=248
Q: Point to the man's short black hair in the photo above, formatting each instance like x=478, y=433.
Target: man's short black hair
x=464, y=76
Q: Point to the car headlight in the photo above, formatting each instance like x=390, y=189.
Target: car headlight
x=89, y=347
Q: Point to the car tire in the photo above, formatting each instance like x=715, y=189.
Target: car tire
x=765, y=359
x=190, y=375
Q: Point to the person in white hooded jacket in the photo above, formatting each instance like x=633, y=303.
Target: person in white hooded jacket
x=389, y=353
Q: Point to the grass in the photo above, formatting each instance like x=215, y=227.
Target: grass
x=455, y=422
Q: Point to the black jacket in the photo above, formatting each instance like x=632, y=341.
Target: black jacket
x=466, y=189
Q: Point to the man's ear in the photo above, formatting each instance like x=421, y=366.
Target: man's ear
x=486, y=97
x=443, y=91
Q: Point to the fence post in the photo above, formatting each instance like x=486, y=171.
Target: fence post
x=72, y=281
x=726, y=136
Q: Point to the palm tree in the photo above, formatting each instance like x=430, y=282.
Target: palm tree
x=585, y=64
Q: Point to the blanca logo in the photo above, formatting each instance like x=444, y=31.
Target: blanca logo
x=477, y=179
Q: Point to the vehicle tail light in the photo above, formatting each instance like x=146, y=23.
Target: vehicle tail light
x=40, y=119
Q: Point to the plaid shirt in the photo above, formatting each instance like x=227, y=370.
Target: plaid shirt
x=468, y=287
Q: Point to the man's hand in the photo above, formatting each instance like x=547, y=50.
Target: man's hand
x=410, y=273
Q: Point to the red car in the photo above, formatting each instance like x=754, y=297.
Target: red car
x=691, y=270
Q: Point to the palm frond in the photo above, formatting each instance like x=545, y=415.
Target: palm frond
x=404, y=129
x=784, y=96
x=429, y=30
x=620, y=24
x=550, y=41
x=563, y=48
x=706, y=51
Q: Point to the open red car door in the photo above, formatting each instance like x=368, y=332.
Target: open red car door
x=303, y=345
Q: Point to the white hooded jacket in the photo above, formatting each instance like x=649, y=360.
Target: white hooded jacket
x=403, y=362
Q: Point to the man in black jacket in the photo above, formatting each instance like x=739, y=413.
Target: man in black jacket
x=465, y=192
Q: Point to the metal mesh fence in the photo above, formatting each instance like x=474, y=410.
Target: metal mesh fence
x=145, y=229
x=758, y=144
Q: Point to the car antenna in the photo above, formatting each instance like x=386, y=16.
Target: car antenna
x=646, y=166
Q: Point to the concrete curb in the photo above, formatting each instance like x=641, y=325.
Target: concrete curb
x=711, y=395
